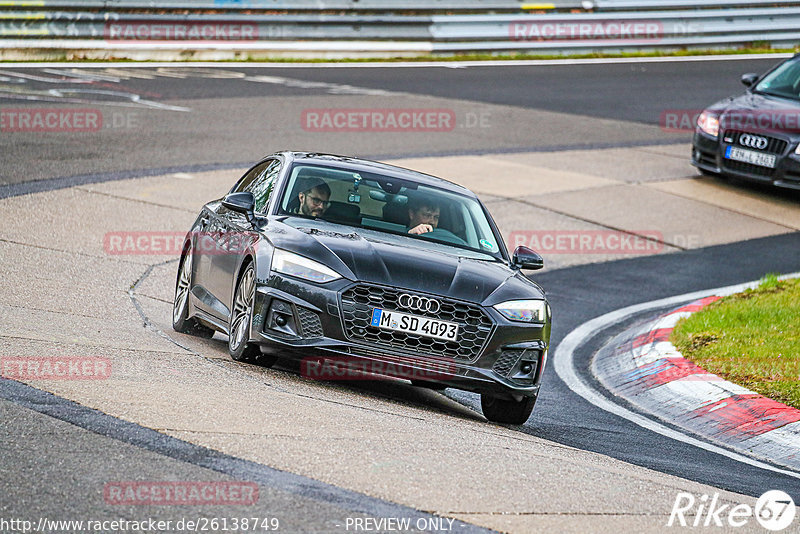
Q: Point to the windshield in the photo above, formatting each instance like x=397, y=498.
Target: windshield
x=784, y=81
x=387, y=205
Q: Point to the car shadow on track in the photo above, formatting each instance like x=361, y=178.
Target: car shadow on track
x=770, y=192
x=394, y=390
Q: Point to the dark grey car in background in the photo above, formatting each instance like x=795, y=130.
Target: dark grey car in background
x=755, y=136
x=446, y=308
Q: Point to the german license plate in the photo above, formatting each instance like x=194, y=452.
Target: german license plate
x=414, y=324
x=749, y=156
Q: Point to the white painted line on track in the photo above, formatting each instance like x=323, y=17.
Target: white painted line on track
x=398, y=64
x=564, y=365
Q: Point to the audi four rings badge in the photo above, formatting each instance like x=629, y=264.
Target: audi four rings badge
x=417, y=303
x=753, y=141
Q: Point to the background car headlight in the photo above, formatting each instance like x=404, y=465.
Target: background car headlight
x=709, y=123
x=524, y=311
x=295, y=265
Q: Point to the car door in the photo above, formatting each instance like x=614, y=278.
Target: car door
x=204, y=242
x=236, y=232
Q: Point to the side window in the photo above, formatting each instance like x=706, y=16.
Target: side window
x=260, y=181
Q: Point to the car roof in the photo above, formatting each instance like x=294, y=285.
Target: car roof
x=365, y=165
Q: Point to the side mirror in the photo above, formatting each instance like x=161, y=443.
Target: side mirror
x=243, y=202
x=526, y=258
x=749, y=79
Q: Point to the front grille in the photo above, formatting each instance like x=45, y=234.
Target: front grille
x=774, y=144
x=359, y=301
x=310, y=325
x=749, y=168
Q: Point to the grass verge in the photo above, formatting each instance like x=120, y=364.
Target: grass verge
x=750, y=338
x=76, y=57
x=526, y=56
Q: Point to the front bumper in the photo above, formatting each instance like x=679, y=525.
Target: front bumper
x=303, y=321
x=708, y=155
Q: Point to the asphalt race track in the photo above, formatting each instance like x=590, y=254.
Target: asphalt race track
x=176, y=121
x=236, y=112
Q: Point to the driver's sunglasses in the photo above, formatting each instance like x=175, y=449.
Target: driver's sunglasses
x=318, y=201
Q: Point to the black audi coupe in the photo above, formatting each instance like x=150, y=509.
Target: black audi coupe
x=376, y=268
x=755, y=136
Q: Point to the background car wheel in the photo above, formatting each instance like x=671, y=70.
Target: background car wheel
x=180, y=306
x=507, y=411
x=239, y=346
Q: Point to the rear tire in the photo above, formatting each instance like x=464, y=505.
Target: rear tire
x=180, y=306
x=239, y=346
x=507, y=411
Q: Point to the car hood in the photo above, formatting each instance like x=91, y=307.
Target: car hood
x=759, y=113
x=369, y=258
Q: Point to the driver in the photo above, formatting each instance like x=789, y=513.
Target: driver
x=423, y=215
x=315, y=197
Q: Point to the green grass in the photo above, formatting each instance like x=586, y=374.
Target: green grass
x=525, y=56
x=70, y=57
x=750, y=338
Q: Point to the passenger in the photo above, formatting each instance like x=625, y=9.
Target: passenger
x=423, y=215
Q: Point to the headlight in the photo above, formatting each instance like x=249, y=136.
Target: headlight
x=295, y=265
x=708, y=123
x=524, y=311
x=797, y=150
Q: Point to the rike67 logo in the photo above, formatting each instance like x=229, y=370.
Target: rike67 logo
x=774, y=511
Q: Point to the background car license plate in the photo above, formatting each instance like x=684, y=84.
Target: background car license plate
x=748, y=156
x=414, y=324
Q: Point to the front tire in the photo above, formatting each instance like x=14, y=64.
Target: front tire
x=180, y=306
x=239, y=346
x=507, y=411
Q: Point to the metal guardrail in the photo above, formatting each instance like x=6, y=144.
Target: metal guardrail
x=639, y=5
x=602, y=28
x=671, y=28
x=391, y=6
x=386, y=6
x=474, y=31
